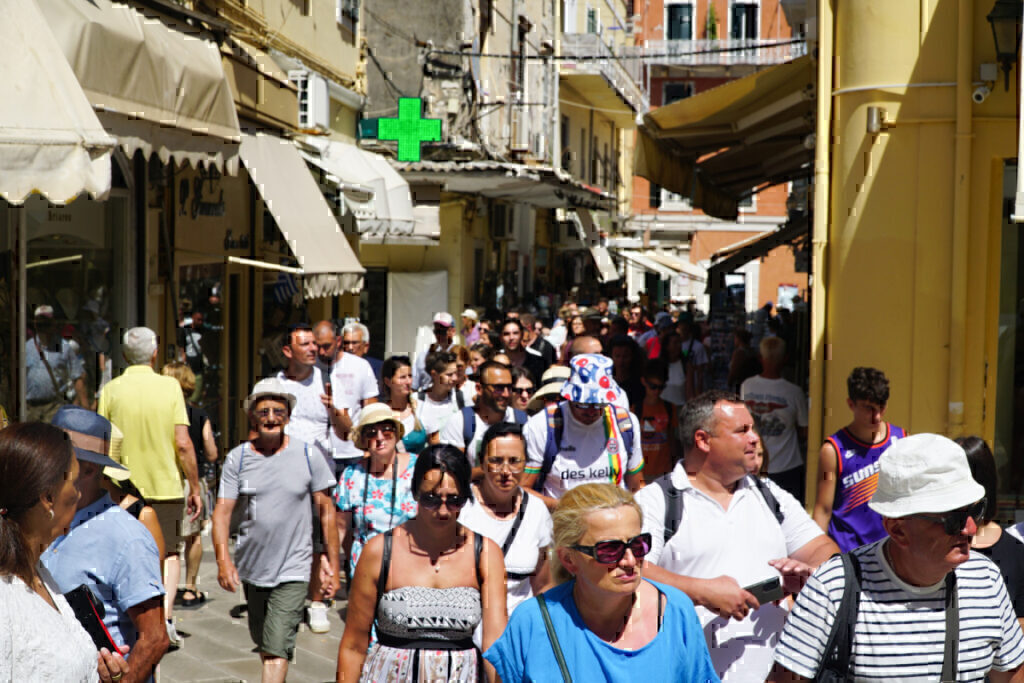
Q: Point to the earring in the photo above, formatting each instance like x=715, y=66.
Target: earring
x=51, y=513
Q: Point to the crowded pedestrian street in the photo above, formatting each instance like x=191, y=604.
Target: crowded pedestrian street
x=398, y=341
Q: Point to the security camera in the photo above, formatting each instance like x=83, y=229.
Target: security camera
x=981, y=94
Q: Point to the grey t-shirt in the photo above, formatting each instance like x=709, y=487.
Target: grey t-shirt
x=275, y=538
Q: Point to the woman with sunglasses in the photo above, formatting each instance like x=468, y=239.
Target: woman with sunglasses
x=604, y=622
x=523, y=386
x=375, y=494
x=502, y=511
x=396, y=377
x=425, y=586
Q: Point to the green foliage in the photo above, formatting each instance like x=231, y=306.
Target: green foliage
x=711, y=23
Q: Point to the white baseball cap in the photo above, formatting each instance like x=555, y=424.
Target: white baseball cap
x=924, y=473
x=445, y=319
x=471, y=314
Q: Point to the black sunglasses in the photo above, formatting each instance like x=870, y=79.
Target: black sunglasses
x=499, y=388
x=433, y=501
x=954, y=521
x=610, y=552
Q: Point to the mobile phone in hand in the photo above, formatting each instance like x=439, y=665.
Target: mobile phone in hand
x=766, y=591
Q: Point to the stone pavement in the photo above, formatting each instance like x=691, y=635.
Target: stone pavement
x=218, y=648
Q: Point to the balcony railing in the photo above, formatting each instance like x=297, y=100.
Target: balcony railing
x=731, y=52
x=596, y=57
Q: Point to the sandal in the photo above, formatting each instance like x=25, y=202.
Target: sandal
x=191, y=598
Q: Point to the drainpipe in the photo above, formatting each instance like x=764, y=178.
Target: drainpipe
x=819, y=241
x=961, y=220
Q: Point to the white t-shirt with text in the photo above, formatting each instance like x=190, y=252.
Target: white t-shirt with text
x=781, y=407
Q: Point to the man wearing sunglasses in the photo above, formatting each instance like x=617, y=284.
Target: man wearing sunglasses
x=929, y=506
x=731, y=533
x=466, y=429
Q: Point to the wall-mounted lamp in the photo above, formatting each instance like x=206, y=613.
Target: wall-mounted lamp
x=1005, y=19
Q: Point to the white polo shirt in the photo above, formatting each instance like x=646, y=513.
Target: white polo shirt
x=352, y=382
x=736, y=542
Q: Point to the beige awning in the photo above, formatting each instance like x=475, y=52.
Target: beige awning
x=329, y=266
x=684, y=268
x=637, y=258
x=159, y=90
x=50, y=139
x=723, y=144
x=591, y=237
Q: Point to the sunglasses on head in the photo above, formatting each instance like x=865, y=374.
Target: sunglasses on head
x=383, y=428
x=433, y=501
x=610, y=552
x=954, y=521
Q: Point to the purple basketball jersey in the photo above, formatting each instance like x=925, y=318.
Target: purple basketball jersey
x=853, y=523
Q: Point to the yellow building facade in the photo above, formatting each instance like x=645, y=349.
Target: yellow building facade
x=910, y=243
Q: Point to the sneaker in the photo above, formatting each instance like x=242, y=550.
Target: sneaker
x=176, y=641
x=318, y=618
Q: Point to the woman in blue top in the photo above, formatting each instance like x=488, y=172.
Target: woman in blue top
x=609, y=624
x=374, y=495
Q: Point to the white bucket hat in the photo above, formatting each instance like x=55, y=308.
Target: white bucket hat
x=924, y=473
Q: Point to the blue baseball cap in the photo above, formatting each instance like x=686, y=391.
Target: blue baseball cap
x=89, y=433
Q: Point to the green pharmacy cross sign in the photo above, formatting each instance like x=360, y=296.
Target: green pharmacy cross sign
x=410, y=129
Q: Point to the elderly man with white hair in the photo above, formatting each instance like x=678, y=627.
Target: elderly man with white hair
x=150, y=410
x=919, y=604
x=355, y=339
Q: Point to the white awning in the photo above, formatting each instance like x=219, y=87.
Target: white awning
x=50, y=139
x=638, y=258
x=685, y=268
x=390, y=210
x=159, y=90
x=329, y=266
x=591, y=237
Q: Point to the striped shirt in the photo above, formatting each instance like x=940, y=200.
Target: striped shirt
x=900, y=628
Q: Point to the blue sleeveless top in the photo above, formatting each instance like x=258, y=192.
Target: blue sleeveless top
x=853, y=523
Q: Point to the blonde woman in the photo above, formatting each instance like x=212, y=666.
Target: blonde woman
x=604, y=621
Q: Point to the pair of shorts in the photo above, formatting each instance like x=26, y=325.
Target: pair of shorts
x=171, y=518
x=190, y=528
x=274, y=616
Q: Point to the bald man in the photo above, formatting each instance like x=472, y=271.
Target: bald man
x=585, y=344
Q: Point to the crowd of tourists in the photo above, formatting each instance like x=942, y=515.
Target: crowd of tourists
x=523, y=500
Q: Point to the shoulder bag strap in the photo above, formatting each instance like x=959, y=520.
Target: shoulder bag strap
x=478, y=546
x=950, y=653
x=835, y=658
x=385, y=568
x=769, y=498
x=553, y=639
x=515, y=525
x=673, y=505
x=49, y=370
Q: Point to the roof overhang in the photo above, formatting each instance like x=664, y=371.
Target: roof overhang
x=734, y=256
x=732, y=141
x=539, y=186
x=598, y=93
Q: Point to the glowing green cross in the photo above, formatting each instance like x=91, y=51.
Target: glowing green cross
x=410, y=129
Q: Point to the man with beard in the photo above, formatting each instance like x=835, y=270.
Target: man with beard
x=492, y=407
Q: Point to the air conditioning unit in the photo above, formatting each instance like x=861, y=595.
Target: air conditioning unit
x=537, y=145
x=314, y=102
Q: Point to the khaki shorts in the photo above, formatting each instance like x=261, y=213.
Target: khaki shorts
x=274, y=616
x=169, y=515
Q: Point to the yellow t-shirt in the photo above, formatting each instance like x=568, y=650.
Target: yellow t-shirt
x=146, y=407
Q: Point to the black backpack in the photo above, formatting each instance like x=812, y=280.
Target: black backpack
x=674, y=502
x=469, y=423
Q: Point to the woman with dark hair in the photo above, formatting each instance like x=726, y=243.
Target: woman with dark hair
x=1002, y=548
x=396, y=376
x=425, y=586
x=441, y=399
x=502, y=511
x=523, y=387
x=40, y=638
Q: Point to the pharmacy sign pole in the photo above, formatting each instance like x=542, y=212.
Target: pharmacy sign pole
x=410, y=129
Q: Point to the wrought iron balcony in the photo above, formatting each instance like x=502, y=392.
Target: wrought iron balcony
x=729, y=52
x=594, y=56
